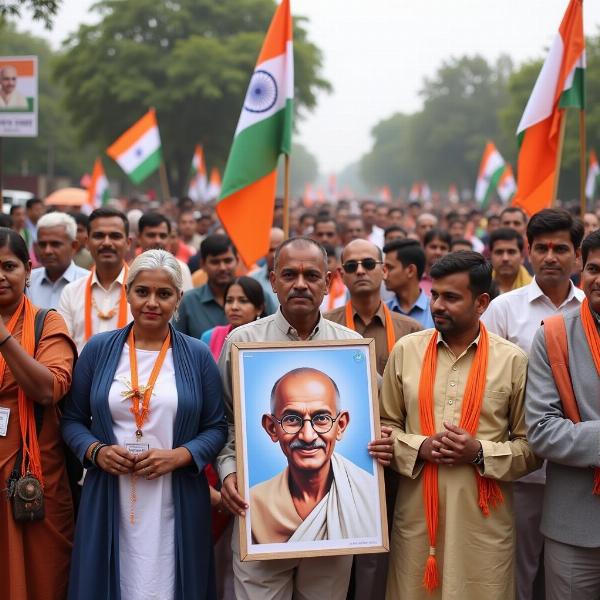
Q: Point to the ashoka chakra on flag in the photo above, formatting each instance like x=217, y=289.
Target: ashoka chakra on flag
x=262, y=92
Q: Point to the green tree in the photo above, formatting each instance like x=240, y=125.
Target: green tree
x=41, y=10
x=55, y=151
x=190, y=59
x=520, y=86
x=303, y=169
x=443, y=142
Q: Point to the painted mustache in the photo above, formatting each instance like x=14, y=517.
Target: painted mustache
x=300, y=445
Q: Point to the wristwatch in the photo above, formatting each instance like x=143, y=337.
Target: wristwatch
x=478, y=460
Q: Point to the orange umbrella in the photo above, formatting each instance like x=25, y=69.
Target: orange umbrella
x=67, y=197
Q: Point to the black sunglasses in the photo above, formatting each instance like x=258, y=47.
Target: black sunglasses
x=351, y=266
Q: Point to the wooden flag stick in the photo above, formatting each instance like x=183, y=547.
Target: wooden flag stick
x=582, y=162
x=286, y=198
x=164, y=181
x=561, y=139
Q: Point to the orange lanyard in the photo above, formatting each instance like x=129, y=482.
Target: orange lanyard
x=389, y=325
x=143, y=393
x=122, y=321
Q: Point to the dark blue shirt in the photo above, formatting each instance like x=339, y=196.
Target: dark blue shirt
x=199, y=312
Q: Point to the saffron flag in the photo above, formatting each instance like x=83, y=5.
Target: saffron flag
x=559, y=85
x=592, y=176
x=214, y=184
x=490, y=170
x=98, y=191
x=507, y=186
x=138, y=151
x=264, y=131
x=198, y=187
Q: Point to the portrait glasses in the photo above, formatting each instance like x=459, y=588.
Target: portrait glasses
x=292, y=424
x=351, y=266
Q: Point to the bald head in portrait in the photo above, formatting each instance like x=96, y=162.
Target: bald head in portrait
x=320, y=495
x=10, y=97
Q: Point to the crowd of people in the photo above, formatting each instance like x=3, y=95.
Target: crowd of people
x=116, y=396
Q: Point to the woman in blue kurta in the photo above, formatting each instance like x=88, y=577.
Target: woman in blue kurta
x=143, y=528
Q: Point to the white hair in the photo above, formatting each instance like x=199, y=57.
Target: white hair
x=59, y=219
x=156, y=259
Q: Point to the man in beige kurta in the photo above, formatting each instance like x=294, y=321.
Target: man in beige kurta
x=474, y=552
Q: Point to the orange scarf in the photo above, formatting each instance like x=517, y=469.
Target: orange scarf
x=389, y=324
x=593, y=339
x=488, y=490
x=337, y=289
x=122, y=321
x=32, y=462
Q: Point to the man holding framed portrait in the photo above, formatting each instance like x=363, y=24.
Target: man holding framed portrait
x=300, y=279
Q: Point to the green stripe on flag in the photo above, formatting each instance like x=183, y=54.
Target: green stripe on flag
x=574, y=97
x=255, y=151
x=146, y=168
x=494, y=179
x=105, y=196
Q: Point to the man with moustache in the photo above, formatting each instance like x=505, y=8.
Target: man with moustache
x=98, y=302
x=564, y=427
x=454, y=398
x=554, y=238
x=320, y=495
x=301, y=279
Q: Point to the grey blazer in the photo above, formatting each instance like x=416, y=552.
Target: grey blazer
x=571, y=513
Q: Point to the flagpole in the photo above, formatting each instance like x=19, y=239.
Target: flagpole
x=582, y=162
x=286, y=198
x=561, y=139
x=164, y=181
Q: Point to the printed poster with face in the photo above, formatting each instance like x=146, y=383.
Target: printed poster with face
x=304, y=414
x=18, y=96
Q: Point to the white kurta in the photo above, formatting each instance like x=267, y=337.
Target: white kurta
x=146, y=548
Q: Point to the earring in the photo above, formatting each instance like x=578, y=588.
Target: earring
x=27, y=283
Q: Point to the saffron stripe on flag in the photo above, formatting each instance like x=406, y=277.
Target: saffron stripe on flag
x=133, y=134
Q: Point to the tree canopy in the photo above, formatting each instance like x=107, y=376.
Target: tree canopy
x=41, y=10
x=467, y=102
x=189, y=59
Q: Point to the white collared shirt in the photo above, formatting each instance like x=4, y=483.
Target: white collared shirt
x=72, y=307
x=518, y=314
x=46, y=293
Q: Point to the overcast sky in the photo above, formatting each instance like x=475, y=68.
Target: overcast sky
x=377, y=52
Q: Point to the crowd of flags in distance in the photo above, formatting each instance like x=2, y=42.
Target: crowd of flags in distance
x=264, y=133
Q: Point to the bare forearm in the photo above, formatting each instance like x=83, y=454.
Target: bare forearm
x=34, y=378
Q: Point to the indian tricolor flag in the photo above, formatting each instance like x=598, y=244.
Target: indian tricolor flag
x=490, y=170
x=138, y=151
x=264, y=131
x=507, y=186
x=592, y=176
x=198, y=188
x=558, y=86
x=214, y=184
x=98, y=192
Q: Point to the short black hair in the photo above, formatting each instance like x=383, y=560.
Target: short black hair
x=6, y=220
x=153, y=219
x=408, y=252
x=506, y=234
x=81, y=219
x=14, y=207
x=252, y=290
x=393, y=228
x=465, y=261
x=215, y=244
x=513, y=209
x=300, y=240
x=326, y=218
x=32, y=202
x=10, y=239
x=329, y=250
x=461, y=242
x=551, y=220
x=591, y=242
x=106, y=212
x=437, y=234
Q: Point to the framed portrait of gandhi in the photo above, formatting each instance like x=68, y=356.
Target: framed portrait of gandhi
x=304, y=414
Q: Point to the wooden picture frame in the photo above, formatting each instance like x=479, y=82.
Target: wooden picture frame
x=350, y=516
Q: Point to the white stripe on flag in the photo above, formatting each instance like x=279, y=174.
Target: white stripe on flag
x=137, y=153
